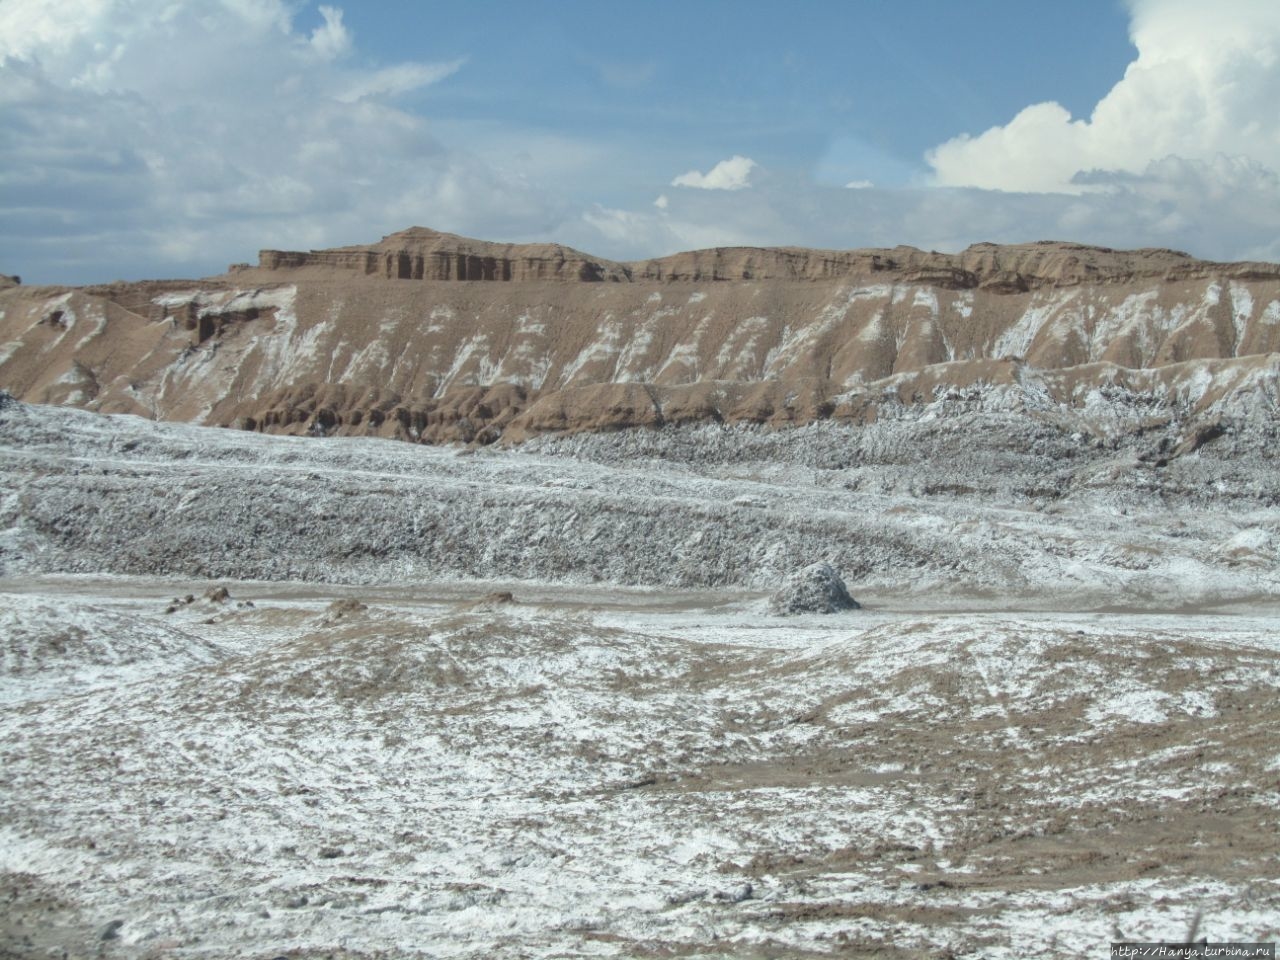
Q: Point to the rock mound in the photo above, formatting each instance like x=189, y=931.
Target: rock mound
x=815, y=589
x=493, y=601
x=341, y=610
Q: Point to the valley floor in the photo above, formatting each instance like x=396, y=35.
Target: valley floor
x=303, y=770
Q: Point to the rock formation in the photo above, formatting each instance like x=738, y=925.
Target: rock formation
x=422, y=254
x=431, y=337
x=340, y=610
x=816, y=588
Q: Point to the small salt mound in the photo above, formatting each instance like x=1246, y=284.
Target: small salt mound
x=815, y=589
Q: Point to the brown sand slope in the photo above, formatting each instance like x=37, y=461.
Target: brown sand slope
x=431, y=336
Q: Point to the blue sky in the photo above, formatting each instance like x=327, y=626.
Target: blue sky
x=850, y=89
x=170, y=137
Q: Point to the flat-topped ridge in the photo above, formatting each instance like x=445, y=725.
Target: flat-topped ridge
x=420, y=253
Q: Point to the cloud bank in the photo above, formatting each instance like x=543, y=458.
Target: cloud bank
x=173, y=134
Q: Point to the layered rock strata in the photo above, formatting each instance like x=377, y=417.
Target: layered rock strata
x=431, y=337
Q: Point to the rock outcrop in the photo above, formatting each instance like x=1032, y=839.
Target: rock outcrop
x=340, y=610
x=422, y=254
x=430, y=337
x=816, y=588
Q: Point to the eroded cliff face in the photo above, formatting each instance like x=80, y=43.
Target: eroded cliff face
x=422, y=254
x=383, y=340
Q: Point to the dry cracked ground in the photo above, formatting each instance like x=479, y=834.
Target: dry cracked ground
x=310, y=771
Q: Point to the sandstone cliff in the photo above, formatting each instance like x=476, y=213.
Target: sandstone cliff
x=422, y=254
x=383, y=339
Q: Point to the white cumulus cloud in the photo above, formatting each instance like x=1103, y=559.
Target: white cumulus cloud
x=731, y=174
x=1205, y=82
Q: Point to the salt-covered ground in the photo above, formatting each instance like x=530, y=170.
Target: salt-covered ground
x=959, y=501
x=601, y=772
x=1053, y=723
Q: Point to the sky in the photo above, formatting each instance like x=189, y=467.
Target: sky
x=163, y=138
